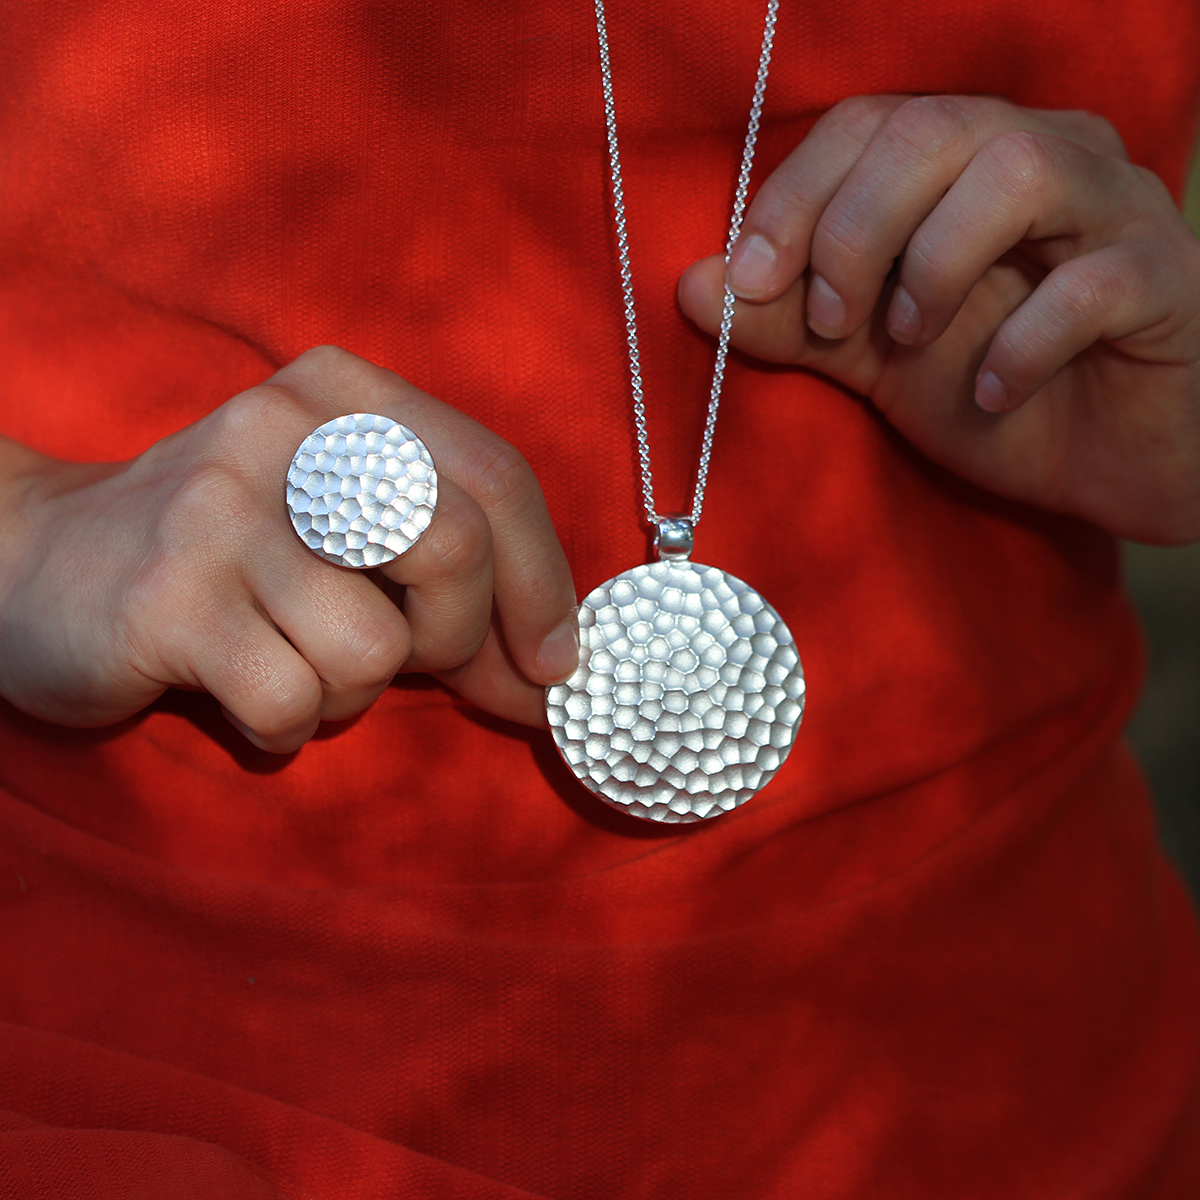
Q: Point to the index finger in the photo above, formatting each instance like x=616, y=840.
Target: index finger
x=773, y=248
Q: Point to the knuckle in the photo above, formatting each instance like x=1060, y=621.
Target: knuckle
x=376, y=650
x=210, y=511
x=313, y=378
x=171, y=584
x=1018, y=162
x=255, y=420
x=497, y=474
x=453, y=647
x=280, y=702
x=150, y=621
x=209, y=500
x=1084, y=289
x=1093, y=131
x=931, y=125
x=289, y=708
x=151, y=593
x=325, y=358
x=840, y=233
x=861, y=116
x=459, y=542
x=1158, y=194
x=921, y=268
x=548, y=594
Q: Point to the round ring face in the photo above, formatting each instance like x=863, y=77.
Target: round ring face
x=361, y=490
x=688, y=695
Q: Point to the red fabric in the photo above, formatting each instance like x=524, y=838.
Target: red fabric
x=941, y=955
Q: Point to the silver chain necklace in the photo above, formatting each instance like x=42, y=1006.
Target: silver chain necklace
x=735, y=225
x=689, y=691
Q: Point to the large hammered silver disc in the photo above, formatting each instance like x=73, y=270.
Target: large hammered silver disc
x=688, y=695
x=361, y=489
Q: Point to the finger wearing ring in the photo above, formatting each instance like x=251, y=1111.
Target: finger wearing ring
x=361, y=490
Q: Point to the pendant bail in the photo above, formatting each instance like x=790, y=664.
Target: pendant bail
x=673, y=541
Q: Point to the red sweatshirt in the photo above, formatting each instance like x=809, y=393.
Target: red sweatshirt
x=939, y=958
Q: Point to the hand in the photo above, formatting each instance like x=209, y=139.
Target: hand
x=1018, y=300
x=181, y=568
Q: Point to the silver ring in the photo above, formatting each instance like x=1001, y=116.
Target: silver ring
x=361, y=490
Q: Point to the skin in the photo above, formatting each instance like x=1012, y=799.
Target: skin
x=1016, y=298
x=180, y=569
x=1041, y=333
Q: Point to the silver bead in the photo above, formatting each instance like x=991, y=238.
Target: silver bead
x=673, y=541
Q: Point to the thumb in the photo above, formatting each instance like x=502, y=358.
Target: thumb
x=777, y=331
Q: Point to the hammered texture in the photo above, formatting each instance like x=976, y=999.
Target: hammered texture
x=361, y=489
x=688, y=695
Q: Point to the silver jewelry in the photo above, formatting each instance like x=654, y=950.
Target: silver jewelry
x=361, y=490
x=689, y=690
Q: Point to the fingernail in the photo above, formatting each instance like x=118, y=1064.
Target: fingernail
x=990, y=394
x=245, y=730
x=903, y=318
x=558, y=655
x=241, y=727
x=751, y=266
x=826, y=312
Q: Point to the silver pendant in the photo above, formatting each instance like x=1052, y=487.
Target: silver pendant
x=688, y=695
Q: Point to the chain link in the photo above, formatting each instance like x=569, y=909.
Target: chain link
x=735, y=225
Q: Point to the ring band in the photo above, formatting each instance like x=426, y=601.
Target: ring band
x=361, y=490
